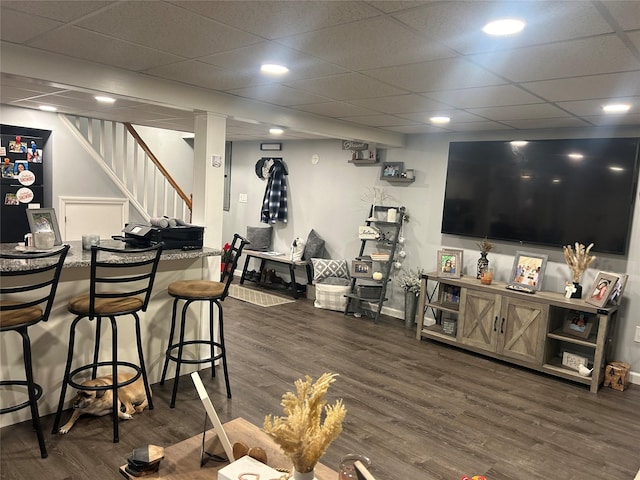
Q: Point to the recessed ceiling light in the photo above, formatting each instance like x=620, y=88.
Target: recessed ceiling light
x=556, y=180
x=506, y=26
x=613, y=168
x=519, y=143
x=575, y=156
x=440, y=120
x=276, y=131
x=103, y=99
x=48, y=108
x=274, y=69
x=616, y=108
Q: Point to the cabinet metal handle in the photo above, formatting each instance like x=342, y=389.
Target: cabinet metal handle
x=502, y=326
x=495, y=323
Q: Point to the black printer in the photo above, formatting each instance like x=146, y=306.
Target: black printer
x=182, y=236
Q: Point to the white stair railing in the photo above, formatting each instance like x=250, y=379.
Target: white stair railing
x=134, y=169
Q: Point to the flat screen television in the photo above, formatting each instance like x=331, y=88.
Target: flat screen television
x=543, y=192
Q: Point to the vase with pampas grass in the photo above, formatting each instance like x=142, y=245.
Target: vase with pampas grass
x=302, y=433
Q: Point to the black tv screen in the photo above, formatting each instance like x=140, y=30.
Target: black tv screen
x=545, y=192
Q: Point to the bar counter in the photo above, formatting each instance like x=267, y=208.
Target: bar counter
x=77, y=257
x=49, y=340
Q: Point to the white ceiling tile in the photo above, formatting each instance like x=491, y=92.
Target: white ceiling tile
x=64, y=11
x=498, y=95
x=407, y=103
x=635, y=38
x=459, y=24
x=573, y=58
x=389, y=6
x=334, y=109
x=13, y=23
x=436, y=75
x=194, y=72
x=417, y=129
x=91, y=46
x=546, y=123
x=519, y=112
x=625, y=12
x=609, y=85
x=277, y=19
x=361, y=45
x=278, y=95
x=483, y=126
x=613, y=120
x=594, y=107
x=379, y=120
x=249, y=59
x=456, y=116
x=191, y=36
x=346, y=87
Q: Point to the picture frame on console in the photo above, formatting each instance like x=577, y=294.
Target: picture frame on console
x=600, y=291
x=578, y=324
x=528, y=270
x=449, y=263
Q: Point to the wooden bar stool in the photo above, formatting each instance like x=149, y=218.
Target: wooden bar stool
x=120, y=285
x=201, y=291
x=27, y=291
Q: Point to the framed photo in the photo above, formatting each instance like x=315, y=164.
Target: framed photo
x=44, y=220
x=449, y=263
x=392, y=170
x=601, y=289
x=528, y=270
x=578, y=324
x=361, y=269
x=271, y=146
x=618, y=290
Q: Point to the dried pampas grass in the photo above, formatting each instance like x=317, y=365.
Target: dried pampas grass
x=578, y=260
x=301, y=434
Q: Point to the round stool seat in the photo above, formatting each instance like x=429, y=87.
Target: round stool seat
x=105, y=306
x=21, y=316
x=196, y=289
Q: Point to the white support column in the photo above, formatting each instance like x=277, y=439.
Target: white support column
x=208, y=194
x=208, y=181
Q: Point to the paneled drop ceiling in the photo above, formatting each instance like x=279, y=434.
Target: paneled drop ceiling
x=383, y=65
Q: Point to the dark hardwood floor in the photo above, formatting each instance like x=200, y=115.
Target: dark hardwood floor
x=419, y=410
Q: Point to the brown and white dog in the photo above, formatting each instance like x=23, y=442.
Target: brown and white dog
x=132, y=397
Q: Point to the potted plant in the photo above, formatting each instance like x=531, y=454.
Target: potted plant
x=410, y=282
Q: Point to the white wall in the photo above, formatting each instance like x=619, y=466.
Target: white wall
x=327, y=197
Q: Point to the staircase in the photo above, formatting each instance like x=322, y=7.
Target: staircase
x=120, y=152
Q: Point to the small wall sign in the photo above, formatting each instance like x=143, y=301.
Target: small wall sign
x=353, y=145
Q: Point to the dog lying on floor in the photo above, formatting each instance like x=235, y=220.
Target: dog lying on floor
x=132, y=397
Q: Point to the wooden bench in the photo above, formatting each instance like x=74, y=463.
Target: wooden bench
x=266, y=257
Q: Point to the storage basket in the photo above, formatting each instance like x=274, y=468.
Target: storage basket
x=330, y=294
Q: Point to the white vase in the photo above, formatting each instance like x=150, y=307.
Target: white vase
x=303, y=476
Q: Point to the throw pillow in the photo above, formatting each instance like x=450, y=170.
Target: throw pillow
x=323, y=268
x=314, y=248
x=259, y=238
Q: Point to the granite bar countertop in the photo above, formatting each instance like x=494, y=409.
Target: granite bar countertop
x=77, y=257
